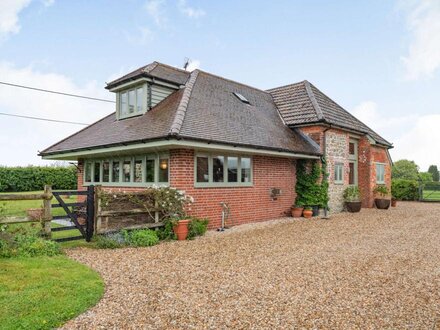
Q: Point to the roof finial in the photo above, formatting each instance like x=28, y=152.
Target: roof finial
x=186, y=63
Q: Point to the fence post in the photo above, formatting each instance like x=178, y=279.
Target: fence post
x=98, y=209
x=47, y=213
x=90, y=212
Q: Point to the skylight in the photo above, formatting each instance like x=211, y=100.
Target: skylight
x=241, y=98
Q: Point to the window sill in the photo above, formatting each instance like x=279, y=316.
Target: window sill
x=127, y=184
x=223, y=185
x=136, y=114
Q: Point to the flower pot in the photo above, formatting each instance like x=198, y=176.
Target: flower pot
x=382, y=204
x=393, y=202
x=297, y=211
x=181, y=229
x=353, y=206
x=307, y=214
x=35, y=214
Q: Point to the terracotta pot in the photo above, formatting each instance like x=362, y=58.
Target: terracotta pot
x=181, y=229
x=307, y=214
x=382, y=204
x=297, y=211
x=35, y=214
x=353, y=206
x=393, y=202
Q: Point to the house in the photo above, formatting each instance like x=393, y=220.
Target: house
x=223, y=141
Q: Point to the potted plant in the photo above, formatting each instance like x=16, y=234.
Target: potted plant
x=352, y=198
x=381, y=201
x=297, y=210
x=307, y=213
x=180, y=228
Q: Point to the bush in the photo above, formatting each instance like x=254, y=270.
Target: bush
x=166, y=232
x=352, y=194
x=140, y=237
x=109, y=241
x=32, y=178
x=197, y=227
x=406, y=190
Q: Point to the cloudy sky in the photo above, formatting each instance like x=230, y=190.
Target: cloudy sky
x=378, y=59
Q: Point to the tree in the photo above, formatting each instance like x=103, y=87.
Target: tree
x=425, y=176
x=435, y=173
x=405, y=169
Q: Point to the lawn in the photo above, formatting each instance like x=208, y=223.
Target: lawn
x=44, y=292
x=431, y=195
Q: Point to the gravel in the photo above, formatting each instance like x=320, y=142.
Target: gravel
x=375, y=269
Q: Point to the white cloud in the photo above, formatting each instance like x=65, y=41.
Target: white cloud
x=143, y=36
x=21, y=139
x=190, y=11
x=155, y=9
x=48, y=3
x=423, y=19
x=9, y=11
x=413, y=135
x=193, y=64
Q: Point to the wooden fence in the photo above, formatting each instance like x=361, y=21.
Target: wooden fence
x=45, y=218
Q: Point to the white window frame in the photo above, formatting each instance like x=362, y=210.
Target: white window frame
x=121, y=160
x=144, y=96
x=338, y=173
x=225, y=183
x=380, y=173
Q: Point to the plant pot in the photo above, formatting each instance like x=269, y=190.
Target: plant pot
x=35, y=214
x=382, y=204
x=297, y=212
x=315, y=210
x=181, y=229
x=393, y=202
x=307, y=214
x=353, y=207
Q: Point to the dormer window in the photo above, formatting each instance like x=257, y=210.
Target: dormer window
x=131, y=102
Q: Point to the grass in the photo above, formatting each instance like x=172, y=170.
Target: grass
x=45, y=292
x=431, y=195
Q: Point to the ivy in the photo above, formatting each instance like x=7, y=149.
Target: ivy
x=311, y=183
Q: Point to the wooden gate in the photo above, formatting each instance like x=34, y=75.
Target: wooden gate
x=80, y=214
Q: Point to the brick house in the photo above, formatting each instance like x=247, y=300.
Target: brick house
x=223, y=141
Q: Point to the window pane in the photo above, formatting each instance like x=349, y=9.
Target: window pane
x=96, y=176
x=88, y=174
x=139, y=99
x=115, y=171
x=245, y=170
x=202, y=169
x=217, y=169
x=232, y=169
x=123, y=105
x=163, y=170
x=380, y=173
x=131, y=100
x=149, y=170
x=351, y=148
x=126, y=170
x=351, y=176
x=339, y=177
x=105, y=171
x=138, y=170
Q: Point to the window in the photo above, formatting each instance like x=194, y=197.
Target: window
x=339, y=173
x=380, y=173
x=352, y=173
x=222, y=170
x=351, y=148
x=136, y=171
x=241, y=98
x=131, y=102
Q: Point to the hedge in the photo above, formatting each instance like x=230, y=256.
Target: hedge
x=406, y=190
x=31, y=178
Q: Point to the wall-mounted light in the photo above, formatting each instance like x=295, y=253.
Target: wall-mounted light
x=163, y=164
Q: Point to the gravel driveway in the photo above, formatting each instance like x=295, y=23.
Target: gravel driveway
x=375, y=269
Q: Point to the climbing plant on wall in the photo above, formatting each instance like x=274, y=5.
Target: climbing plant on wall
x=311, y=183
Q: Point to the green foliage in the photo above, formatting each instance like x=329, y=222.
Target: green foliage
x=405, y=169
x=166, y=232
x=30, y=178
x=435, y=173
x=381, y=190
x=197, y=227
x=140, y=237
x=407, y=190
x=108, y=242
x=425, y=177
x=310, y=191
x=352, y=194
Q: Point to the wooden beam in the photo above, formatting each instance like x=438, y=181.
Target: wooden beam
x=24, y=197
x=123, y=212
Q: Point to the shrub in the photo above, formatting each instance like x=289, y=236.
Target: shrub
x=311, y=184
x=197, y=227
x=109, y=241
x=166, y=232
x=381, y=191
x=407, y=190
x=352, y=194
x=35, y=177
x=141, y=237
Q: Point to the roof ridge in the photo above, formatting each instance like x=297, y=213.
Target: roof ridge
x=288, y=85
x=183, y=105
x=173, y=67
x=312, y=98
x=150, y=67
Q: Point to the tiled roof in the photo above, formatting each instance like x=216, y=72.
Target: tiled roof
x=302, y=103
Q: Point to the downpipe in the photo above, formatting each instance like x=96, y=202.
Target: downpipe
x=225, y=215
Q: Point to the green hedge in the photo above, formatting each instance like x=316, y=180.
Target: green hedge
x=31, y=178
x=406, y=190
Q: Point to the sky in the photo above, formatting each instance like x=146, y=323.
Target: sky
x=378, y=59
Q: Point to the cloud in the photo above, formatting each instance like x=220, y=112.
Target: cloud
x=21, y=139
x=143, y=36
x=48, y=3
x=189, y=11
x=423, y=20
x=155, y=9
x=413, y=135
x=193, y=64
x=9, y=11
